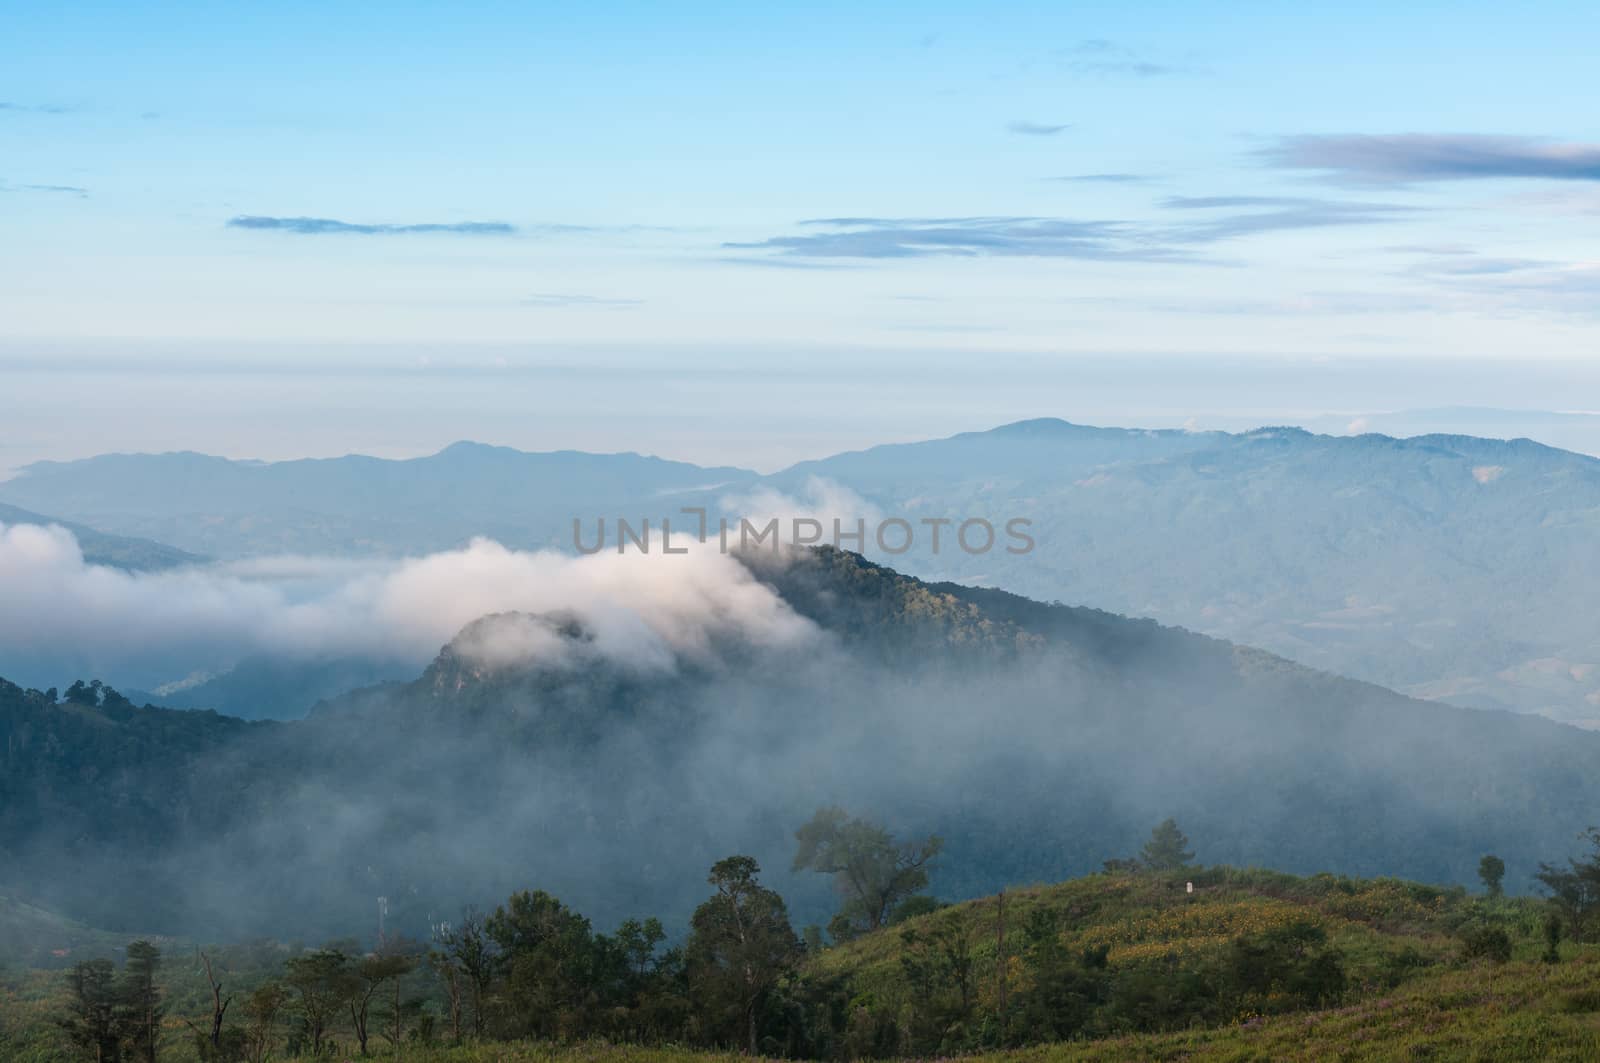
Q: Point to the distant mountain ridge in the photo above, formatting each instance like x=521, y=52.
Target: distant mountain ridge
x=354, y=504
x=1445, y=566
x=116, y=551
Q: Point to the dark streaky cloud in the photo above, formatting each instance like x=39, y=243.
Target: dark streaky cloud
x=71, y=190
x=1040, y=237
x=32, y=108
x=1035, y=129
x=320, y=226
x=1437, y=157
x=963, y=237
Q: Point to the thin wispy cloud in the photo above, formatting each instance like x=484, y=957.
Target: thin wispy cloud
x=69, y=190
x=1103, y=58
x=1408, y=157
x=1478, y=266
x=1576, y=281
x=1249, y=215
x=1513, y=286
x=773, y=262
x=1228, y=217
x=325, y=226
x=1104, y=178
x=971, y=237
x=1128, y=67
x=955, y=329
x=558, y=299
x=1507, y=284
x=1565, y=199
x=1035, y=129
x=34, y=108
x=1295, y=305
x=1430, y=249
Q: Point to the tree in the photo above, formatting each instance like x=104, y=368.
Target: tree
x=96, y=1022
x=938, y=963
x=871, y=871
x=1062, y=988
x=638, y=942
x=549, y=957
x=469, y=959
x=143, y=999
x=1492, y=870
x=85, y=694
x=1575, y=889
x=1167, y=848
x=369, y=975
x=454, y=979
x=402, y=957
x=211, y=1043
x=740, y=946
x=261, y=1010
x=324, y=983
x=1552, y=938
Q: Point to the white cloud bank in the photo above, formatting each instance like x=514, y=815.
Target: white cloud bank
x=646, y=611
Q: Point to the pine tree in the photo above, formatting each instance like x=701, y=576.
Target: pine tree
x=142, y=998
x=97, y=1022
x=1492, y=870
x=1167, y=849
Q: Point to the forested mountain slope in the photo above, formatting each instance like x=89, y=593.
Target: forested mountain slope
x=1039, y=740
x=116, y=551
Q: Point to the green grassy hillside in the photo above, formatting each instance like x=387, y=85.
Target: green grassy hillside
x=1147, y=965
x=1410, y=990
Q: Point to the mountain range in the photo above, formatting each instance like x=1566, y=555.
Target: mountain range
x=352, y=505
x=1447, y=567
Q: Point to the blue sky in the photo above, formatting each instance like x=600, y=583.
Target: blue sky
x=194, y=189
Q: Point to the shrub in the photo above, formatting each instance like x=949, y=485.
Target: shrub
x=1487, y=943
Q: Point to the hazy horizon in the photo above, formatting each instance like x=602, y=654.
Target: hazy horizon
x=390, y=403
